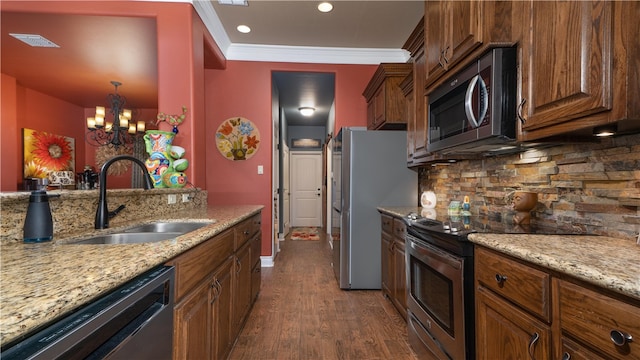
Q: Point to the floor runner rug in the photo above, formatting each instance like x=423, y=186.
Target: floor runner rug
x=304, y=233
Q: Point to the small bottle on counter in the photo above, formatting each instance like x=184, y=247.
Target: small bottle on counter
x=38, y=225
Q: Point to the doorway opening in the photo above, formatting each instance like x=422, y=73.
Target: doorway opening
x=299, y=154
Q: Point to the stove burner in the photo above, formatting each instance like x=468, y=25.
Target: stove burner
x=462, y=226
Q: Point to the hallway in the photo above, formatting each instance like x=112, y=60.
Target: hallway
x=302, y=314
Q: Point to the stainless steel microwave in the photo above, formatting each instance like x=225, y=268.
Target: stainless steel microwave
x=475, y=110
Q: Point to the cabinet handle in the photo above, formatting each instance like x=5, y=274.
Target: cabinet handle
x=620, y=338
x=217, y=289
x=566, y=356
x=500, y=279
x=239, y=266
x=532, y=344
x=246, y=232
x=444, y=54
x=440, y=59
x=519, y=111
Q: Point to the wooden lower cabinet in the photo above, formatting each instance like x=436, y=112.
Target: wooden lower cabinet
x=192, y=329
x=215, y=290
x=399, y=290
x=221, y=300
x=524, y=311
x=387, y=254
x=394, y=279
x=505, y=332
x=242, y=286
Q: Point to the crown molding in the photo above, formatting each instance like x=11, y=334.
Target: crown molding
x=310, y=54
x=213, y=24
x=299, y=54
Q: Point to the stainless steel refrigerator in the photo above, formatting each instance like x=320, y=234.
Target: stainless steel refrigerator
x=369, y=169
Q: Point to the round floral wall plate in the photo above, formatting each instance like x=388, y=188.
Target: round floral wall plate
x=237, y=138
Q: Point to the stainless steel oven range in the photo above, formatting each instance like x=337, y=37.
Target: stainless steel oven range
x=439, y=258
x=440, y=284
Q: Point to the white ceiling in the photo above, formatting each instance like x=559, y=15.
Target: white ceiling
x=356, y=32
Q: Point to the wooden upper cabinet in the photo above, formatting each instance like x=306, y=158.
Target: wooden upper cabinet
x=567, y=64
x=577, y=67
x=386, y=104
x=413, y=89
x=453, y=29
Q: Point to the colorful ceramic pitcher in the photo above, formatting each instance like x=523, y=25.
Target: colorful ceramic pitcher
x=158, y=146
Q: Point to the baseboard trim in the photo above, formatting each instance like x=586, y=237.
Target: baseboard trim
x=266, y=261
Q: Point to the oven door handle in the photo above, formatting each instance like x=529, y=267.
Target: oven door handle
x=468, y=101
x=432, y=252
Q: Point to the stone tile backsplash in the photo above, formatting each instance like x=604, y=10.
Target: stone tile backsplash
x=593, y=188
x=74, y=211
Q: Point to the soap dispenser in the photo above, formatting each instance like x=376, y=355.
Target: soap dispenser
x=38, y=226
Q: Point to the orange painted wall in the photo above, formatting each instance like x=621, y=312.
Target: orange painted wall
x=244, y=89
x=181, y=38
x=26, y=108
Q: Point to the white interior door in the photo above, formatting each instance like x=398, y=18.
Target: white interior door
x=306, y=188
x=286, y=192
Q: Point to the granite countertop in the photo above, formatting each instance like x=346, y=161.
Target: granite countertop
x=41, y=282
x=608, y=262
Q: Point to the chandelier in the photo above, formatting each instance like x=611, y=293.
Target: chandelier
x=121, y=132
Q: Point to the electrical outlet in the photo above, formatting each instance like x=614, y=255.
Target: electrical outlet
x=171, y=199
x=185, y=198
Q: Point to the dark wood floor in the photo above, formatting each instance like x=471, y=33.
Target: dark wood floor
x=302, y=314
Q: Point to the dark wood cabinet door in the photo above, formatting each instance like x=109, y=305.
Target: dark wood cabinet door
x=421, y=123
x=400, y=281
x=452, y=31
x=464, y=33
x=567, y=62
x=242, y=286
x=505, y=332
x=192, y=325
x=435, y=20
x=221, y=303
x=387, y=259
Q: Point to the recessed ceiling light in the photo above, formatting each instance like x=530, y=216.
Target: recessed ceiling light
x=35, y=40
x=325, y=7
x=244, y=29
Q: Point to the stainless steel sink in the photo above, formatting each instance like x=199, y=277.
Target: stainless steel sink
x=127, y=238
x=152, y=232
x=162, y=227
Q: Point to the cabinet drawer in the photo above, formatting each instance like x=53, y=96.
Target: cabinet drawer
x=529, y=288
x=387, y=224
x=246, y=229
x=197, y=263
x=399, y=230
x=591, y=317
x=574, y=351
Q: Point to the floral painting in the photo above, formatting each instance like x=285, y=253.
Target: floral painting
x=237, y=138
x=45, y=152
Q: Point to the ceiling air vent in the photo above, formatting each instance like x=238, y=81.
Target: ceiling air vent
x=35, y=40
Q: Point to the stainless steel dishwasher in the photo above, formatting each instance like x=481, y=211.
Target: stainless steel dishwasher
x=135, y=321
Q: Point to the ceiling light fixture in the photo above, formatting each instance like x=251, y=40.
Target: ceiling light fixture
x=306, y=110
x=325, y=7
x=605, y=130
x=243, y=29
x=116, y=133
